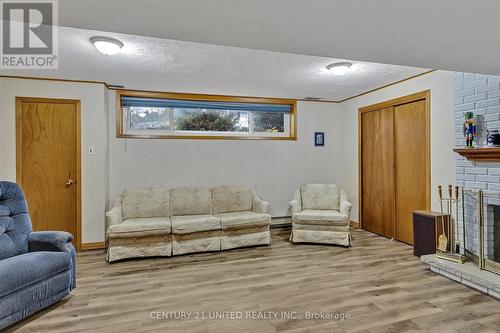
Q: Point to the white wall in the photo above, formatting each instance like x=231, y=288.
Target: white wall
x=273, y=168
x=442, y=131
x=94, y=133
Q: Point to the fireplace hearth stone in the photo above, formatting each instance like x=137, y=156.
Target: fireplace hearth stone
x=467, y=274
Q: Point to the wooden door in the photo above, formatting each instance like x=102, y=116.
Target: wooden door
x=410, y=138
x=394, y=167
x=377, y=171
x=48, y=162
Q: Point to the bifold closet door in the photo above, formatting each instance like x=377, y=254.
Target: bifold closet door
x=410, y=135
x=377, y=188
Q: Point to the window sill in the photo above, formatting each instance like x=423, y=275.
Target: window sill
x=206, y=137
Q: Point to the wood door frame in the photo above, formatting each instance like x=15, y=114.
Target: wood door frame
x=419, y=96
x=78, y=177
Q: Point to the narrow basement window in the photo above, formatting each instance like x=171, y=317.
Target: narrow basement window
x=188, y=116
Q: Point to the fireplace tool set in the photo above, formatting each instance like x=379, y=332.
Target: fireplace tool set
x=452, y=230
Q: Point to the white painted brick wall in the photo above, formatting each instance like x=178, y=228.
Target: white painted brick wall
x=480, y=94
x=488, y=179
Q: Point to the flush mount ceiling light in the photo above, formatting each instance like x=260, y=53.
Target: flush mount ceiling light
x=106, y=45
x=339, y=68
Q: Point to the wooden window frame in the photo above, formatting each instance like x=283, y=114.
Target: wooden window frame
x=120, y=133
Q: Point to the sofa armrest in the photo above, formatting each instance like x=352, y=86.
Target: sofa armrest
x=57, y=241
x=114, y=215
x=259, y=205
x=294, y=207
x=296, y=203
x=345, y=208
x=345, y=205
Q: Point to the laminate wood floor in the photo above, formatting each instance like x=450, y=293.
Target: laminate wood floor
x=378, y=283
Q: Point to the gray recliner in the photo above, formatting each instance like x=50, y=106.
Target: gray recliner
x=36, y=268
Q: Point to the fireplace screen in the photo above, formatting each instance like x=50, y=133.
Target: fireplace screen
x=479, y=229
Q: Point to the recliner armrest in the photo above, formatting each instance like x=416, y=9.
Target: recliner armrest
x=57, y=241
x=49, y=240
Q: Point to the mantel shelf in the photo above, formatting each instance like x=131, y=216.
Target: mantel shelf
x=480, y=154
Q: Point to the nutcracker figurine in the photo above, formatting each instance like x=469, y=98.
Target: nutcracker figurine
x=469, y=129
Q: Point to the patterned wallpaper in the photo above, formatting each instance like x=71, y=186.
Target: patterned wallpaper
x=94, y=128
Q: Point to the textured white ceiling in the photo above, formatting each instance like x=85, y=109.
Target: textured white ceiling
x=167, y=65
x=461, y=35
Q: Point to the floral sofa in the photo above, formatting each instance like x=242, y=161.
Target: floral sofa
x=166, y=222
x=321, y=214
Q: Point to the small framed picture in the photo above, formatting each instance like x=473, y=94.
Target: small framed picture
x=319, y=138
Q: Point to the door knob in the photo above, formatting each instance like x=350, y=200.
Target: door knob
x=69, y=182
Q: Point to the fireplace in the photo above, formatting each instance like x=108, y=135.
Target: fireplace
x=479, y=229
x=492, y=231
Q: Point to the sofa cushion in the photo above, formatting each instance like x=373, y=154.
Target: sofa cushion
x=190, y=201
x=150, y=225
x=321, y=217
x=231, y=198
x=194, y=223
x=247, y=219
x=320, y=196
x=145, y=203
x=26, y=269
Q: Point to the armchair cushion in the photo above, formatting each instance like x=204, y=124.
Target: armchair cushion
x=316, y=227
x=26, y=269
x=138, y=203
x=194, y=223
x=243, y=220
x=320, y=196
x=321, y=217
x=152, y=225
x=231, y=198
x=190, y=201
